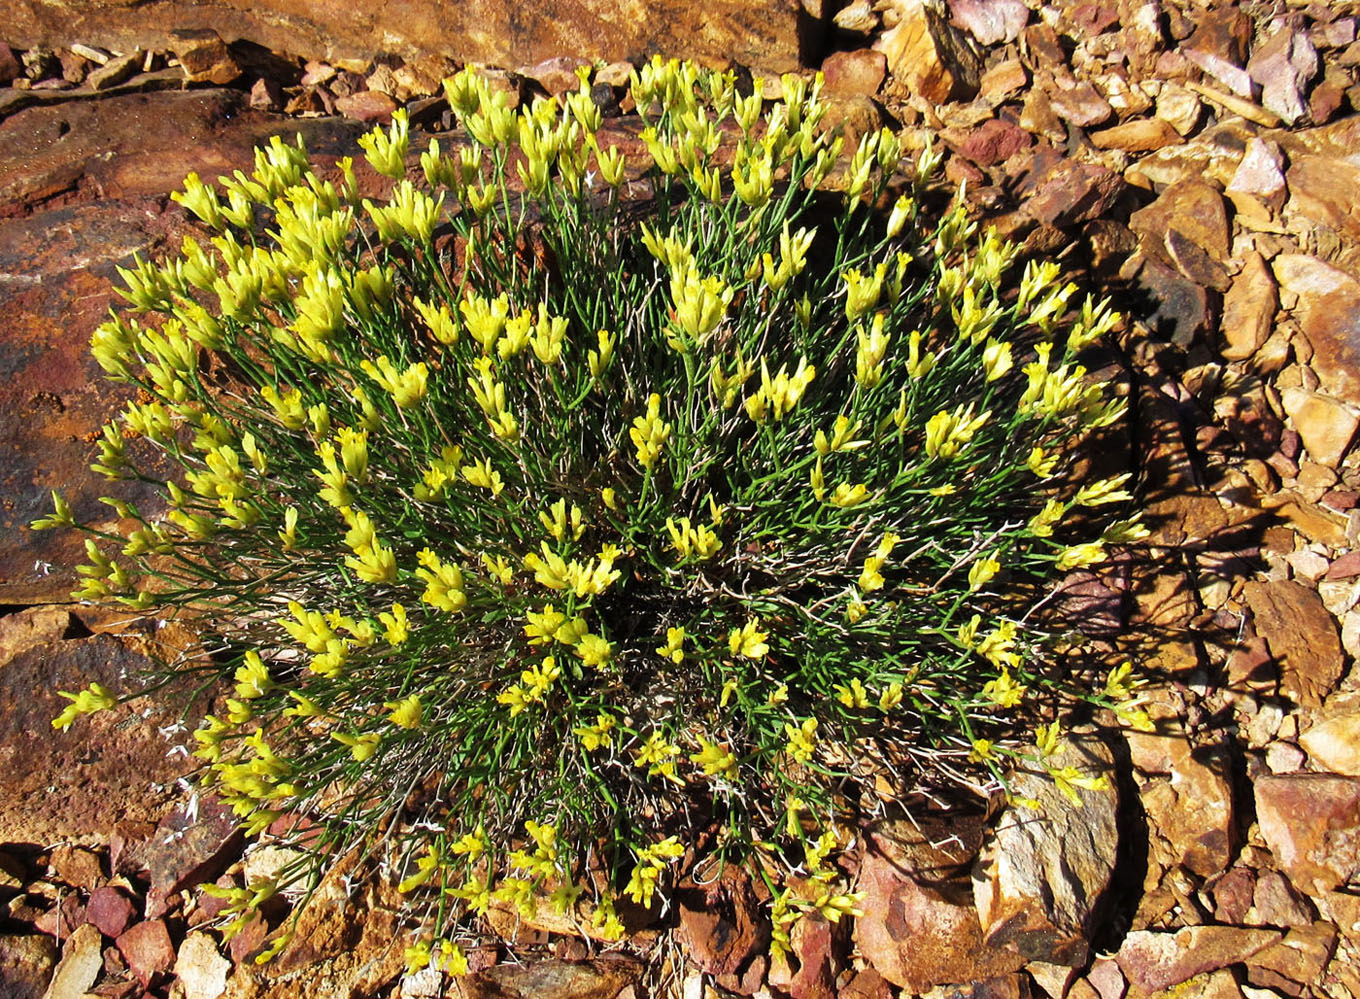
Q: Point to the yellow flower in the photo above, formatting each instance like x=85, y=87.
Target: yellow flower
x=715, y=760
x=802, y=740
x=1004, y=692
x=650, y=433
x=95, y=697
x=1081, y=556
x=406, y=713
x=847, y=495
x=599, y=735
x=983, y=570
x=852, y=695
x=748, y=641
x=890, y=697
x=674, y=647
x=594, y=650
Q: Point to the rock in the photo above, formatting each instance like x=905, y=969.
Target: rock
x=1326, y=426
x=1080, y=104
x=867, y=984
x=1284, y=758
x=114, y=72
x=61, y=920
x=1249, y=308
x=204, y=57
x=925, y=54
x=1284, y=64
x=1232, y=895
x=919, y=927
x=1178, y=107
x=1191, y=207
x=1275, y=902
x=994, y=141
x=109, y=910
x=1301, y=635
x=1192, y=809
x=368, y=106
x=1041, y=876
x=1002, y=80
x=1219, y=47
x=556, y=75
x=201, y=970
x=26, y=963
x=82, y=958
x=1311, y=822
x=1141, y=135
x=860, y=72
x=600, y=978
x=1178, y=307
x=1062, y=192
x=9, y=66
x=857, y=17
x=147, y=949
x=266, y=95
x=1328, y=310
x=991, y=22
x=1322, y=176
x=1296, y=961
x=193, y=843
x=1259, y=180
x=721, y=924
x=814, y=942
x=768, y=35
x=1335, y=743
x=1153, y=960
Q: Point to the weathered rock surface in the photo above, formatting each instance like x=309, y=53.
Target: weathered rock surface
x=1335, y=743
x=1328, y=309
x=1302, y=637
x=1153, y=960
x=1041, y=876
x=26, y=963
x=428, y=33
x=601, y=978
x=1311, y=822
x=927, y=55
x=201, y=969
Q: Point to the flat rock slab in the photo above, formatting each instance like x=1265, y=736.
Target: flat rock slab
x=1311, y=822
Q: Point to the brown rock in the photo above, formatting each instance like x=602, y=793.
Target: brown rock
x=556, y=75
x=82, y=958
x=1259, y=181
x=858, y=17
x=1081, y=104
x=1193, y=208
x=1219, y=46
x=26, y=965
x=1180, y=308
x=1141, y=135
x=1041, y=876
x=1178, y=107
x=1192, y=809
x=200, y=968
x=266, y=95
x=926, y=55
x=860, y=72
x=1301, y=635
x=1296, y=961
x=1327, y=427
x=814, y=941
x=109, y=910
x=919, y=927
x=1311, y=822
x=1249, y=308
x=204, y=57
x=368, y=106
x=9, y=65
x=768, y=35
x=721, y=923
x=114, y=72
x=61, y=920
x=1328, y=309
x=146, y=948
x=994, y=141
x=1335, y=743
x=1275, y=902
x=192, y=844
x=991, y=22
x=1193, y=262
x=1233, y=895
x=1061, y=192
x=867, y=984
x=1002, y=80
x=1153, y=960
x=76, y=866
x=1284, y=64
x=601, y=978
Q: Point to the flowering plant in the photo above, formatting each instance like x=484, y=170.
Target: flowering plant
x=574, y=500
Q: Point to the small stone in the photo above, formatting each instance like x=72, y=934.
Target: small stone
x=369, y=106
x=266, y=95
x=721, y=925
x=1296, y=961
x=61, y=920
x=82, y=958
x=76, y=866
x=1249, y=308
x=1259, y=176
x=146, y=948
x=860, y=72
x=316, y=73
x=1301, y=635
x=1041, y=875
x=383, y=81
x=189, y=847
x=994, y=141
x=1328, y=310
x=616, y=74
x=867, y=984
x=557, y=75
x=1219, y=45
x=201, y=969
x=813, y=941
x=204, y=57
x=1002, y=80
x=857, y=17
x=1064, y=192
x=991, y=22
x=1037, y=116
x=1311, y=822
x=1284, y=758
x=599, y=977
x=114, y=72
x=1192, y=207
x=1192, y=809
x=1327, y=426
x=9, y=65
x=110, y=910
x=1154, y=960
x=1275, y=902
x=1081, y=104
x=74, y=67
x=26, y=965
x=1283, y=65
x=1180, y=108
x=926, y=55
x=1333, y=34
x=1141, y=135
x=1335, y=743
x=1232, y=895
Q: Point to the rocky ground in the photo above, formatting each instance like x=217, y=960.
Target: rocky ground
x=1197, y=160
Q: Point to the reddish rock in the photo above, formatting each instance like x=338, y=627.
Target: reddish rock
x=192, y=844
x=266, y=95
x=1179, y=307
x=815, y=942
x=1153, y=960
x=991, y=22
x=1335, y=742
x=1233, y=895
x=721, y=924
x=600, y=978
x=926, y=55
x=146, y=948
x=556, y=75
x=1142, y=135
x=1275, y=902
x=1002, y=80
x=1041, y=877
x=1249, y=308
x=1259, y=179
x=61, y=920
x=1297, y=961
x=1061, y=192
x=1326, y=426
x=76, y=866
x=1193, y=208
x=82, y=958
x=867, y=984
x=1284, y=64
x=26, y=963
x=1311, y=822
x=110, y=910
x=1301, y=635
x=994, y=141
x=1192, y=809
x=368, y=106
x=1219, y=47
x=919, y=927
x=1328, y=310
x=9, y=65
x=859, y=72
x=1081, y=104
